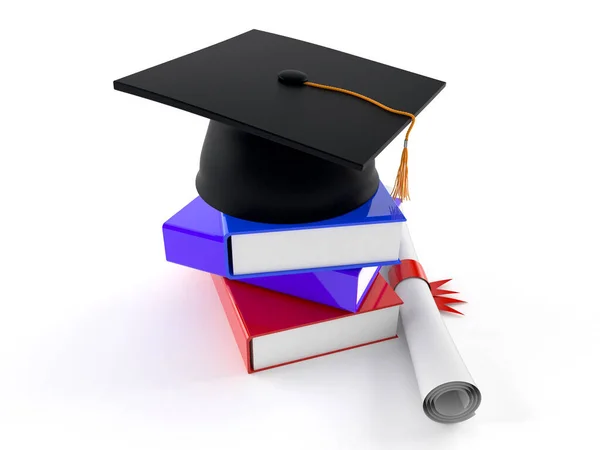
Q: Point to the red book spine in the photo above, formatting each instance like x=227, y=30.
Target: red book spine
x=240, y=333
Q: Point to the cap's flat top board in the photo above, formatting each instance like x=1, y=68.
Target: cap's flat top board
x=236, y=82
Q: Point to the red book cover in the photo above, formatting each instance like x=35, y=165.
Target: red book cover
x=272, y=329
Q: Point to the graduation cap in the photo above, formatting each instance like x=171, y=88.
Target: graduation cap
x=282, y=145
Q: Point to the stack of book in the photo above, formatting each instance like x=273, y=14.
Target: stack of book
x=291, y=220
x=295, y=291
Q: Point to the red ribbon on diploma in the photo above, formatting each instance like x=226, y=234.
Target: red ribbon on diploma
x=410, y=268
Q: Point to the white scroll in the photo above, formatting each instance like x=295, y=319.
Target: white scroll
x=448, y=391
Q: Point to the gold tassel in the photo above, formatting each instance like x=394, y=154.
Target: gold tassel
x=400, y=189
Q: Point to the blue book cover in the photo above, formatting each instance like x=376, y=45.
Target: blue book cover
x=194, y=237
x=368, y=235
x=201, y=237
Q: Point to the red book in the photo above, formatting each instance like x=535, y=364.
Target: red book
x=272, y=329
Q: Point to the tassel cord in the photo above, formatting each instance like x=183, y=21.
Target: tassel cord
x=400, y=189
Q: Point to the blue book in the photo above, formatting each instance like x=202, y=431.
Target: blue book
x=236, y=248
x=194, y=237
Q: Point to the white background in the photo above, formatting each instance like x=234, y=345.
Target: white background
x=103, y=344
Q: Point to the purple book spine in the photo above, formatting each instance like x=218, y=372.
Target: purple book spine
x=343, y=289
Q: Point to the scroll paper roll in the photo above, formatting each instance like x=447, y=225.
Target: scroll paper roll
x=448, y=391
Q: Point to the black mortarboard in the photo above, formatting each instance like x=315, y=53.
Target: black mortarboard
x=276, y=150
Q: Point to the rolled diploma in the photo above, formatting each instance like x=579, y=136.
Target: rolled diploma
x=448, y=391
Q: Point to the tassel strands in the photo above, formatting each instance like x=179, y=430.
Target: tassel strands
x=400, y=189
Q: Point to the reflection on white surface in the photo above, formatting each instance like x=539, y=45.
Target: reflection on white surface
x=365, y=277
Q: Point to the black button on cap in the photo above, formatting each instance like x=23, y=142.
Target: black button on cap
x=292, y=77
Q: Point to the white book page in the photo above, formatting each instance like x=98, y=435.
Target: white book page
x=314, y=248
x=319, y=338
